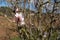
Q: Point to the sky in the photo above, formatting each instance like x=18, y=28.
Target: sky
x=32, y=6
x=3, y=3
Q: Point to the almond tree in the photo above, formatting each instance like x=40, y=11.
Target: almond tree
x=39, y=5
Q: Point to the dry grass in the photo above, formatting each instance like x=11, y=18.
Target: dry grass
x=29, y=32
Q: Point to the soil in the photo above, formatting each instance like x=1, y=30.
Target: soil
x=7, y=29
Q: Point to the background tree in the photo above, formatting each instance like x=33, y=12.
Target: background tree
x=50, y=8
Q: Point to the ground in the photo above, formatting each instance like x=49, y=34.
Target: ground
x=7, y=29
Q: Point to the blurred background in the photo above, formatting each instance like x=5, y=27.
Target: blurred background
x=42, y=18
